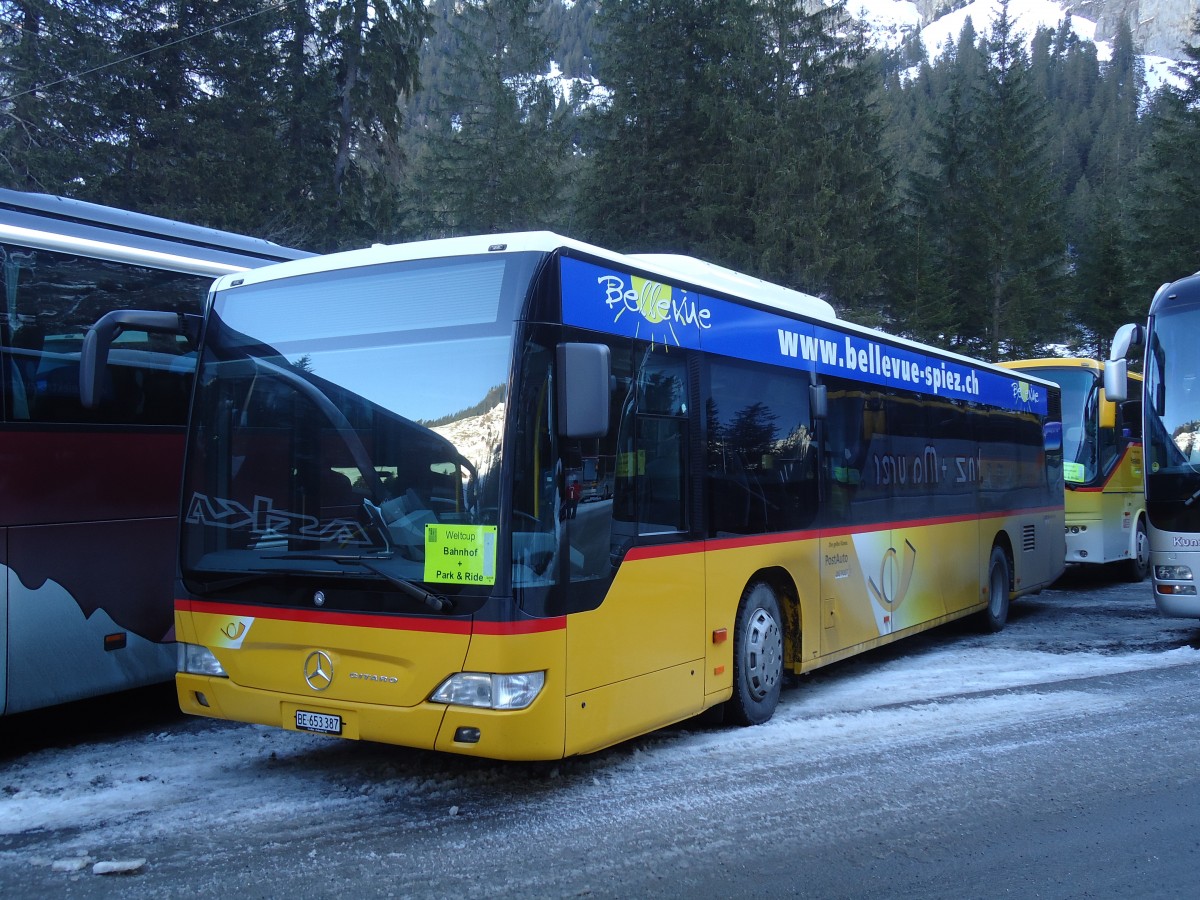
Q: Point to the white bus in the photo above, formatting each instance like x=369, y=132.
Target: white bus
x=89, y=497
x=1171, y=432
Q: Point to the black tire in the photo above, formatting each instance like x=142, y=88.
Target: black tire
x=757, y=656
x=1137, y=568
x=992, y=618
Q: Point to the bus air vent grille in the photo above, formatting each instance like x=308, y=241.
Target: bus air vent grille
x=1029, y=538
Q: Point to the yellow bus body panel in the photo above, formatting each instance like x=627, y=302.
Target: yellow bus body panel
x=651, y=619
x=533, y=733
x=616, y=712
x=636, y=662
x=1101, y=521
x=381, y=676
x=658, y=650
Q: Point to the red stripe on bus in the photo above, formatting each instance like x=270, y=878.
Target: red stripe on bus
x=662, y=551
x=1111, y=475
x=370, y=620
x=321, y=617
x=525, y=626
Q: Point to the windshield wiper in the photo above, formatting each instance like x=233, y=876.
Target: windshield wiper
x=436, y=602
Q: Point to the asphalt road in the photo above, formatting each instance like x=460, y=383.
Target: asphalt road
x=1059, y=758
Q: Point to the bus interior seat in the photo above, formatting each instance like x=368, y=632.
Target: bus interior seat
x=338, y=497
x=23, y=356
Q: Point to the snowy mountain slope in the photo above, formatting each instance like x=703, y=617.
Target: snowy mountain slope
x=891, y=21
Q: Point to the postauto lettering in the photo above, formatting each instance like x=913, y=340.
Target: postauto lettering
x=602, y=299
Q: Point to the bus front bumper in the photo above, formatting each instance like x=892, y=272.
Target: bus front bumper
x=535, y=733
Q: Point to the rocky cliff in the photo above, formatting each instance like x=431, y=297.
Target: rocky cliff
x=1160, y=27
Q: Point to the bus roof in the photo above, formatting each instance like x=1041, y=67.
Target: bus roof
x=47, y=222
x=1184, y=292
x=1061, y=362
x=686, y=269
x=689, y=271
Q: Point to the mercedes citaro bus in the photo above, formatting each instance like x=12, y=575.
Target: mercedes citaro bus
x=379, y=540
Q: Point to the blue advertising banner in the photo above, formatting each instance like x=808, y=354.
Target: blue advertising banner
x=614, y=302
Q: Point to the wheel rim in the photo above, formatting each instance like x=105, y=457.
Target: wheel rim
x=763, y=654
x=1142, y=549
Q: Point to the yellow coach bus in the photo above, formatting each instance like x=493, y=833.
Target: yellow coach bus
x=379, y=539
x=1102, y=465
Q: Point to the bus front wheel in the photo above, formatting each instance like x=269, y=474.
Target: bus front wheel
x=757, y=656
x=1136, y=568
x=992, y=618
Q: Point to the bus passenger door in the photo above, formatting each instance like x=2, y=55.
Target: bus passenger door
x=847, y=620
x=856, y=543
x=632, y=661
x=928, y=545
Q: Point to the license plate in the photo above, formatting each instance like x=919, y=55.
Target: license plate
x=311, y=721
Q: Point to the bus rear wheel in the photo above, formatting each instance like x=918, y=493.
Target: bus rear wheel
x=757, y=656
x=992, y=618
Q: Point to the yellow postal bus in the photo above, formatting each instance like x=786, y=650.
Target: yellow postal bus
x=378, y=539
x=1102, y=465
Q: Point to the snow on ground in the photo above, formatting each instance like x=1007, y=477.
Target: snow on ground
x=199, y=776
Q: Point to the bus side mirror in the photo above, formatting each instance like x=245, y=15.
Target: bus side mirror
x=584, y=372
x=1116, y=380
x=1128, y=335
x=93, y=357
x=818, y=401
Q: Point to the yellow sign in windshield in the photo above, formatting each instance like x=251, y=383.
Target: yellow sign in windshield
x=1073, y=471
x=460, y=554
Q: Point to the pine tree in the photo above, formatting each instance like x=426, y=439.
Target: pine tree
x=369, y=50
x=492, y=151
x=1103, y=279
x=1025, y=254
x=1109, y=136
x=819, y=204
x=946, y=269
x=1166, y=243
x=54, y=87
x=667, y=69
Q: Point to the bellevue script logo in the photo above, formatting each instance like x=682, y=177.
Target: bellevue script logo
x=663, y=309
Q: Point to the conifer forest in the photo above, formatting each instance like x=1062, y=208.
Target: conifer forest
x=999, y=196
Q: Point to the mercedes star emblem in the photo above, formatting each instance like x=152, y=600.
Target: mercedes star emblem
x=318, y=670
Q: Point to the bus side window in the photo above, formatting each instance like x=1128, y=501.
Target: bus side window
x=148, y=379
x=762, y=474
x=1130, y=415
x=651, y=471
x=855, y=435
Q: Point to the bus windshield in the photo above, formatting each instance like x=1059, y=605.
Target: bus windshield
x=1173, y=405
x=336, y=418
x=1080, y=416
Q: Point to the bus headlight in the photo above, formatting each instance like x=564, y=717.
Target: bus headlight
x=1172, y=573
x=193, y=659
x=490, y=691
